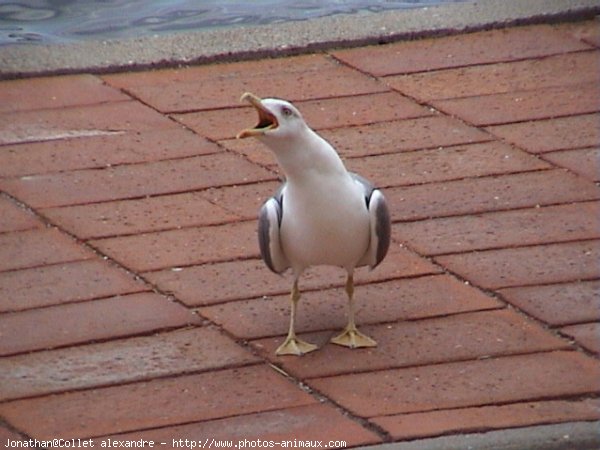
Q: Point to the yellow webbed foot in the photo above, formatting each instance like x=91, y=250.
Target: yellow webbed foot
x=353, y=338
x=294, y=346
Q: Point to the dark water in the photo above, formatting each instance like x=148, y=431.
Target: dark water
x=61, y=21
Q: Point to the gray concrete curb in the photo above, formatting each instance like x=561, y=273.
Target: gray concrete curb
x=22, y=60
x=564, y=436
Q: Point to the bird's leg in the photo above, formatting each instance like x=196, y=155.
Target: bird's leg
x=292, y=345
x=351, y=337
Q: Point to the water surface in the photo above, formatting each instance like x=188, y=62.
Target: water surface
x=62, y=21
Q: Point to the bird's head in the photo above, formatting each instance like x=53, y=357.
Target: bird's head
x=277, y=119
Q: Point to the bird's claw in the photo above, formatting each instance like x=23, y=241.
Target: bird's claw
x=353, y=338
x=294, y=346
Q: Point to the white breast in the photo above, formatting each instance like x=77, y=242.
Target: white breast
x=325, y=222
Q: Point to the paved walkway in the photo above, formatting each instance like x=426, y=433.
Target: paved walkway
x=134, y=304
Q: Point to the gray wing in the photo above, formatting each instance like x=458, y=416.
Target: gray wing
x=269, y=223
x=381, y=229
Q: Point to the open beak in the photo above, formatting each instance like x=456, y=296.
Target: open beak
x=266, y=120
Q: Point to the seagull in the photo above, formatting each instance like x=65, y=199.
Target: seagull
x=321, y=215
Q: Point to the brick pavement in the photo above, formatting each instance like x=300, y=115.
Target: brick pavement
x=133, y=303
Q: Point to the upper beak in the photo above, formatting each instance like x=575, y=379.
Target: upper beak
x=266, y=119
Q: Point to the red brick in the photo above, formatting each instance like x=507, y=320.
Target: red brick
x=558, y=304
x=585, y=162
x=243, y=200
x=586, y=31
x=360, y=110
x=319, y=422
x=15, y=218
x=417, y=343
x=117, y=362
x=188, y=246
x=91, y=152
x=254, y=151
x=463, y=384
x=6, y=434
x=357, y=142
x=444, y=164
x=32, y=248
x=219, y=282
x=553, y=134
x=319, y=114
x=435, y=423
x=540, y=264
x=218, y=123
x=156, y=403
x=139, y=216
x=586, y=334
x=55, y=92
x=561, y=70
x=113, y=317
x=311, y=63
x=378, y=139
x=476, y=195
x=64, y=283
x=461, y=50
x=531, y=226
x=520, y=106
x=236, y=280
x=225, y=91
x=403, y=299
x=137, y=180
x=401, y=136
x=94, y=120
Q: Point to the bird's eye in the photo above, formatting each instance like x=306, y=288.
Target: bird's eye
x=286, y=111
